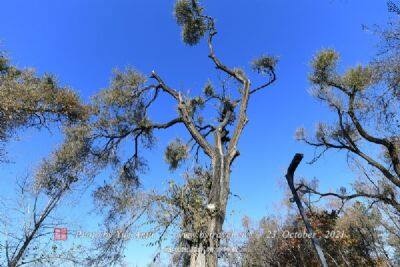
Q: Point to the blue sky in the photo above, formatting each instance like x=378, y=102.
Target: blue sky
x=81, y=41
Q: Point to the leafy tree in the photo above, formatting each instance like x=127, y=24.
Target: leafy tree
x=122, y=114
x=28, y=100
x=365, y=100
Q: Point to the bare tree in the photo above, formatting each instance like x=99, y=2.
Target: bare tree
x=30, y=222
x=28, y=231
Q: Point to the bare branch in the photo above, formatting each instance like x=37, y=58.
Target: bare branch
x=290, y=180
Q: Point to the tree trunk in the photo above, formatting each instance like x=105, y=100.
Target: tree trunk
x=206, y=253
x=290, y=180
x=198, y=257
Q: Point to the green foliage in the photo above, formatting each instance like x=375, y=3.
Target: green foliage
x=264, y=64
x=117, y=198
x=23, y=95
x=324, y=65
x=189, y=202
x=191, y=198
x=3, y=64
x=67, y=163
x=209, y=90
x=188, y=15
x=183, y=11
x=358, y=78
x=175, y=153
x=121, y=108
x=28, y=100
x=121, y=112
x=130, y=78
x=198, y=101
x=124, y=89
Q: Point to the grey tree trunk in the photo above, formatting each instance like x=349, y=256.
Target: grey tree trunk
x=206, y=253
x=290, y=179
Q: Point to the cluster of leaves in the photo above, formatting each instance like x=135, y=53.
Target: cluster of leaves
x=116, y=199
x=68, y=163
x=120, y=117
x=365, y=100
x=358, y=78
x=181, y=207
x=175, y=153
x=264, y=64
x=356, y=93
x=120, y=107
x=209, y=90
x=189, y=203
x=324, y=73
x=28, y=100
x=324, y=66
x=188, y=14
x=120, y=111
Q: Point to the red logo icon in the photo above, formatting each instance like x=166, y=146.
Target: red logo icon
x=60, y=234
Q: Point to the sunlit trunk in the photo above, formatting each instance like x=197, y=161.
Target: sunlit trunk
x=206, y=253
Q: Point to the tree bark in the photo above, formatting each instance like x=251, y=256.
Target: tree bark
x=290, y=180
x=205, y=254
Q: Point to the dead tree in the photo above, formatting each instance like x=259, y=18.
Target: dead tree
x=290, y=180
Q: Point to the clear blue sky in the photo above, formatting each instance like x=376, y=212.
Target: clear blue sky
x=81, y=41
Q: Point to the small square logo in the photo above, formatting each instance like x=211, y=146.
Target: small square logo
x=60, y=234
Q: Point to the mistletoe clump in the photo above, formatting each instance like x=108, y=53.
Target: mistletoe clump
x=264, y=64
x=176, y=153
x=324, y=65
x=189, y=15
